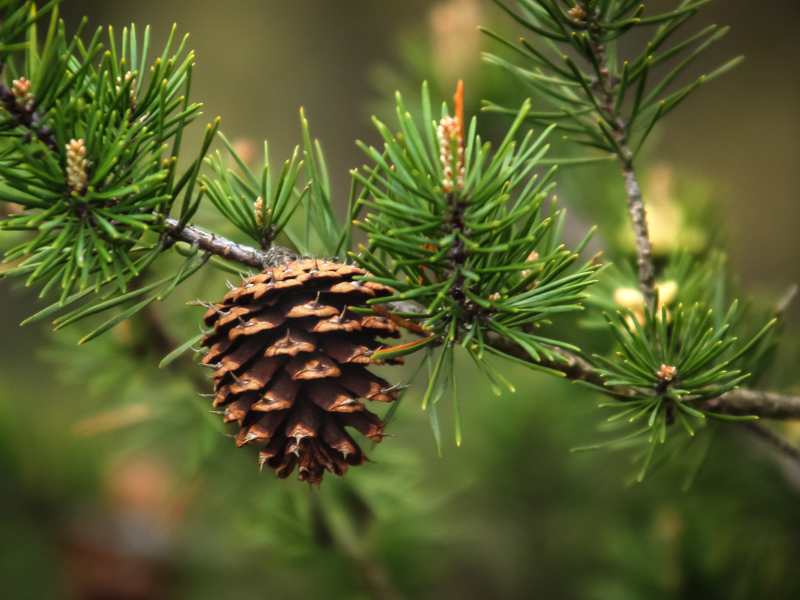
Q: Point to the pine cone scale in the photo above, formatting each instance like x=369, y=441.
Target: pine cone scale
x=280, y=396
x=256, y=377
x=332, y=398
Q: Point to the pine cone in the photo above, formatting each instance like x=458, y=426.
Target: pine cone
x=290, y=365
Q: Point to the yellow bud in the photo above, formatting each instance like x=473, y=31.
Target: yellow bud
x=667, y=291
x=629, y=298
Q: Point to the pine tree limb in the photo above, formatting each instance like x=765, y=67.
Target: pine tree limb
x=644, y=248
x=574, y=367
x=767, y=405
x=619, y=132
x=774, y=440
x=224, y=248
x=740, y=402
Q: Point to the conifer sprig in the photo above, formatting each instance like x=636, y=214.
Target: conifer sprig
x=98, y=178
x=599, y=99
x=670, y=364
x=91, y=133
x=595, y=96
x=259, y=204
x=464, y=231
x=470, y=239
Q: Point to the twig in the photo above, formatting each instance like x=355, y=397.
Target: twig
x=633, y=191
x=161, y=341
x=574, y=367
x=644, y=249
x=741, y=402
x=222, y=247
x=768, y=405
x=777, y=442
x=372, y=573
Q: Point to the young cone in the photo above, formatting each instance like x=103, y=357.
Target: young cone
x=290, y=363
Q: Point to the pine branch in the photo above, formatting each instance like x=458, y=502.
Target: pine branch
x=371, y=572
x=644, y=248
x=756, y=402
x=572, y=366
x=609, y=106
x=619, y=132
x=496, y=269
x=741, y=402
x=597, y=102
x=227, y=249
x=771, y=438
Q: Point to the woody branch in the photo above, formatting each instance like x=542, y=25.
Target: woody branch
x=764, y=404
x=605, y=90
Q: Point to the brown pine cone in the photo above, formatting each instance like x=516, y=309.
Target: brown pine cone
x=290, y=364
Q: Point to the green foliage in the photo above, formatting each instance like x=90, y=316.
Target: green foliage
x=258, y=206
x=91, y=156
x=685, y=279
x=701, y=348
x=294, y=207
x=668, y=365
x=322, y=233
x=465, y=233
x=696, y=330
x=597, y=97
x=608, y=97
x=477, y=267
x=17, y=19
x=485, y=258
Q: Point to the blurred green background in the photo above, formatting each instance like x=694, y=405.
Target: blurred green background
x=118, y=483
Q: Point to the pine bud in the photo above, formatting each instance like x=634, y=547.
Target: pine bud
x=629, y=298
x=577, y=12
x=667, y=373
x=258, y=209
x=77, y=166
x=128, y=78
x=532, y=257
x=633, y=300
x=21, y=89
x=450, y=134
x=667, y=291
x=451, y=154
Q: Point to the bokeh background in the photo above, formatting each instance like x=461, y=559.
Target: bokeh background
x=115, y=478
